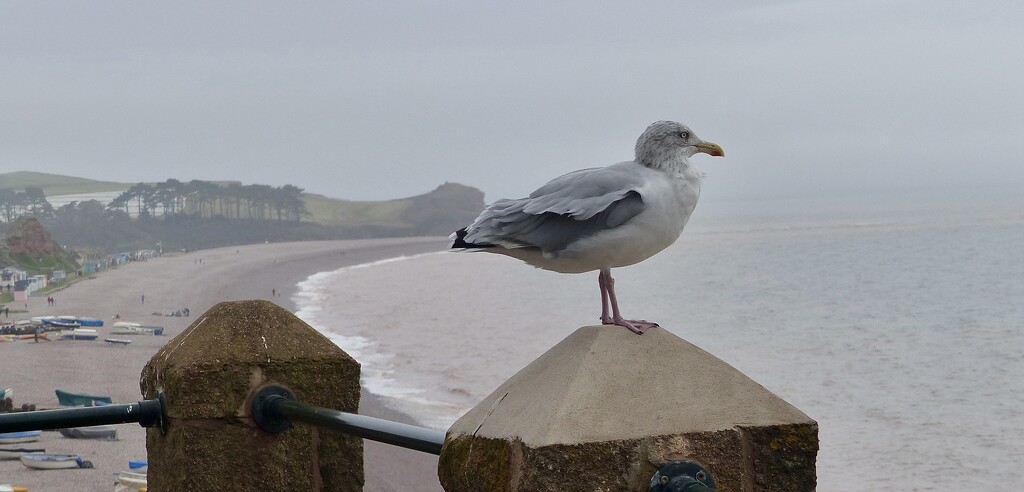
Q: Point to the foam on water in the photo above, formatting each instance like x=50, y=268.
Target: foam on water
x=316, y=303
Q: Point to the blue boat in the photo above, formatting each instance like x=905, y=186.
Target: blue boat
x=138, y=466
x=90, y=321
x=69, y=399
x=63, y=324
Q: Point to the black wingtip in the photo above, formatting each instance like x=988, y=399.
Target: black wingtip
x=460, y=241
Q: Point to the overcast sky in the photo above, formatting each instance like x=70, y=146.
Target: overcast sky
x=376, y=100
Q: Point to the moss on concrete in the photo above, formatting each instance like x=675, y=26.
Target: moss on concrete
x=208, y=371
x=580, y=417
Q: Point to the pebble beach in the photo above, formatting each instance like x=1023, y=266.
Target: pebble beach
x=195, y=281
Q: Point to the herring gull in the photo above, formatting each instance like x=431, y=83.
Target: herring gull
x=601, y=218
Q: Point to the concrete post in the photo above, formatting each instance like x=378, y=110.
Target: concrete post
x=603, y=409
x=207, y=372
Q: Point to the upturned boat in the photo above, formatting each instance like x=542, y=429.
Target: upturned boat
x=90, y=321
x=129, y=328
x=106, y=432
x=69, y=399
x=80, y=334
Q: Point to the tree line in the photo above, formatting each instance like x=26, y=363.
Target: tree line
x=204, y=199
x=31, y=201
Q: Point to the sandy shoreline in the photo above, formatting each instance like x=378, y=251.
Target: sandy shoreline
x=196, y=281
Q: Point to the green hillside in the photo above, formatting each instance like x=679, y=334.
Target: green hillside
x=450, y=205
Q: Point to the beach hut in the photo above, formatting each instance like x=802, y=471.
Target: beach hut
x=21, y=290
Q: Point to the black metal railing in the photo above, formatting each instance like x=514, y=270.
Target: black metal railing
x=147, y=413
x=682, y=476
x=274, y=408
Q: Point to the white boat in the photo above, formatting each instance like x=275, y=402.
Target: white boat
x=129, y=482
x=42, y=461
x=106, y=432
x=129, y=328
x=19, y=437
x=15, y=453
x=6, y=487
x=80, y=334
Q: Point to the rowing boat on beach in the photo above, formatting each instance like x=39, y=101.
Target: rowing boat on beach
x=19, y=437
x=43, y=461
x=130, y=328
x=106, y=432
x=6, y=487
x=15, y=453
x=129, y=482
x=80, y=334
x=69, y=399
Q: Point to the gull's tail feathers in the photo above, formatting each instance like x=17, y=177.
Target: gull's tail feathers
x=459, y=241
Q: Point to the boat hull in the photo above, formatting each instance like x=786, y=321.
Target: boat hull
x=69, y=399
x=15, y=453
x=105, y=432
x=42, y=461
x=19, y=437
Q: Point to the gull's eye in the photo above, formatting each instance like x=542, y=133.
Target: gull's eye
x=684, y=134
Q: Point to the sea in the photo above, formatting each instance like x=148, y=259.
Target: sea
x=893, y=321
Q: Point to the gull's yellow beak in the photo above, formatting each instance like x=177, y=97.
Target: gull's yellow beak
x=710, y=148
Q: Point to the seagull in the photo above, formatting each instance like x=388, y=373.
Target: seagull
x=601, y=218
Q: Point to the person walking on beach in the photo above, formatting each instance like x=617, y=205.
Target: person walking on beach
x=143, y=298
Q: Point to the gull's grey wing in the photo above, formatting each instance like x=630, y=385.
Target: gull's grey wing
x=567, y=208
x=585, y=193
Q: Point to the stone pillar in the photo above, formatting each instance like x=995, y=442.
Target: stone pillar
x=603, y=409
x=207, y=372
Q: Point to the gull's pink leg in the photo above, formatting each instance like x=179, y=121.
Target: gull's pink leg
x=637, y=326
x=602, y=283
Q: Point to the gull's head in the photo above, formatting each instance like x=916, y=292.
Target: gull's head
x=667, y=141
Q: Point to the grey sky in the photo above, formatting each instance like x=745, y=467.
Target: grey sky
x=374, y=100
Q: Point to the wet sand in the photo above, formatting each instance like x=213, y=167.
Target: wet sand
x=196, y=280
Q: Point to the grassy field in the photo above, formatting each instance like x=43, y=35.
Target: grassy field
x=331, y=211
x=54, y=185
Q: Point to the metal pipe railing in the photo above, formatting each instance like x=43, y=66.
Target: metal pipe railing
x=147, y=413
x=682, y=476
x=274, y=408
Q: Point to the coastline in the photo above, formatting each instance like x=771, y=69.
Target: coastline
x=196, y=280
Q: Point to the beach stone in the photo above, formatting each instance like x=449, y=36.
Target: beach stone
x=605, y=408
x=206, y=374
